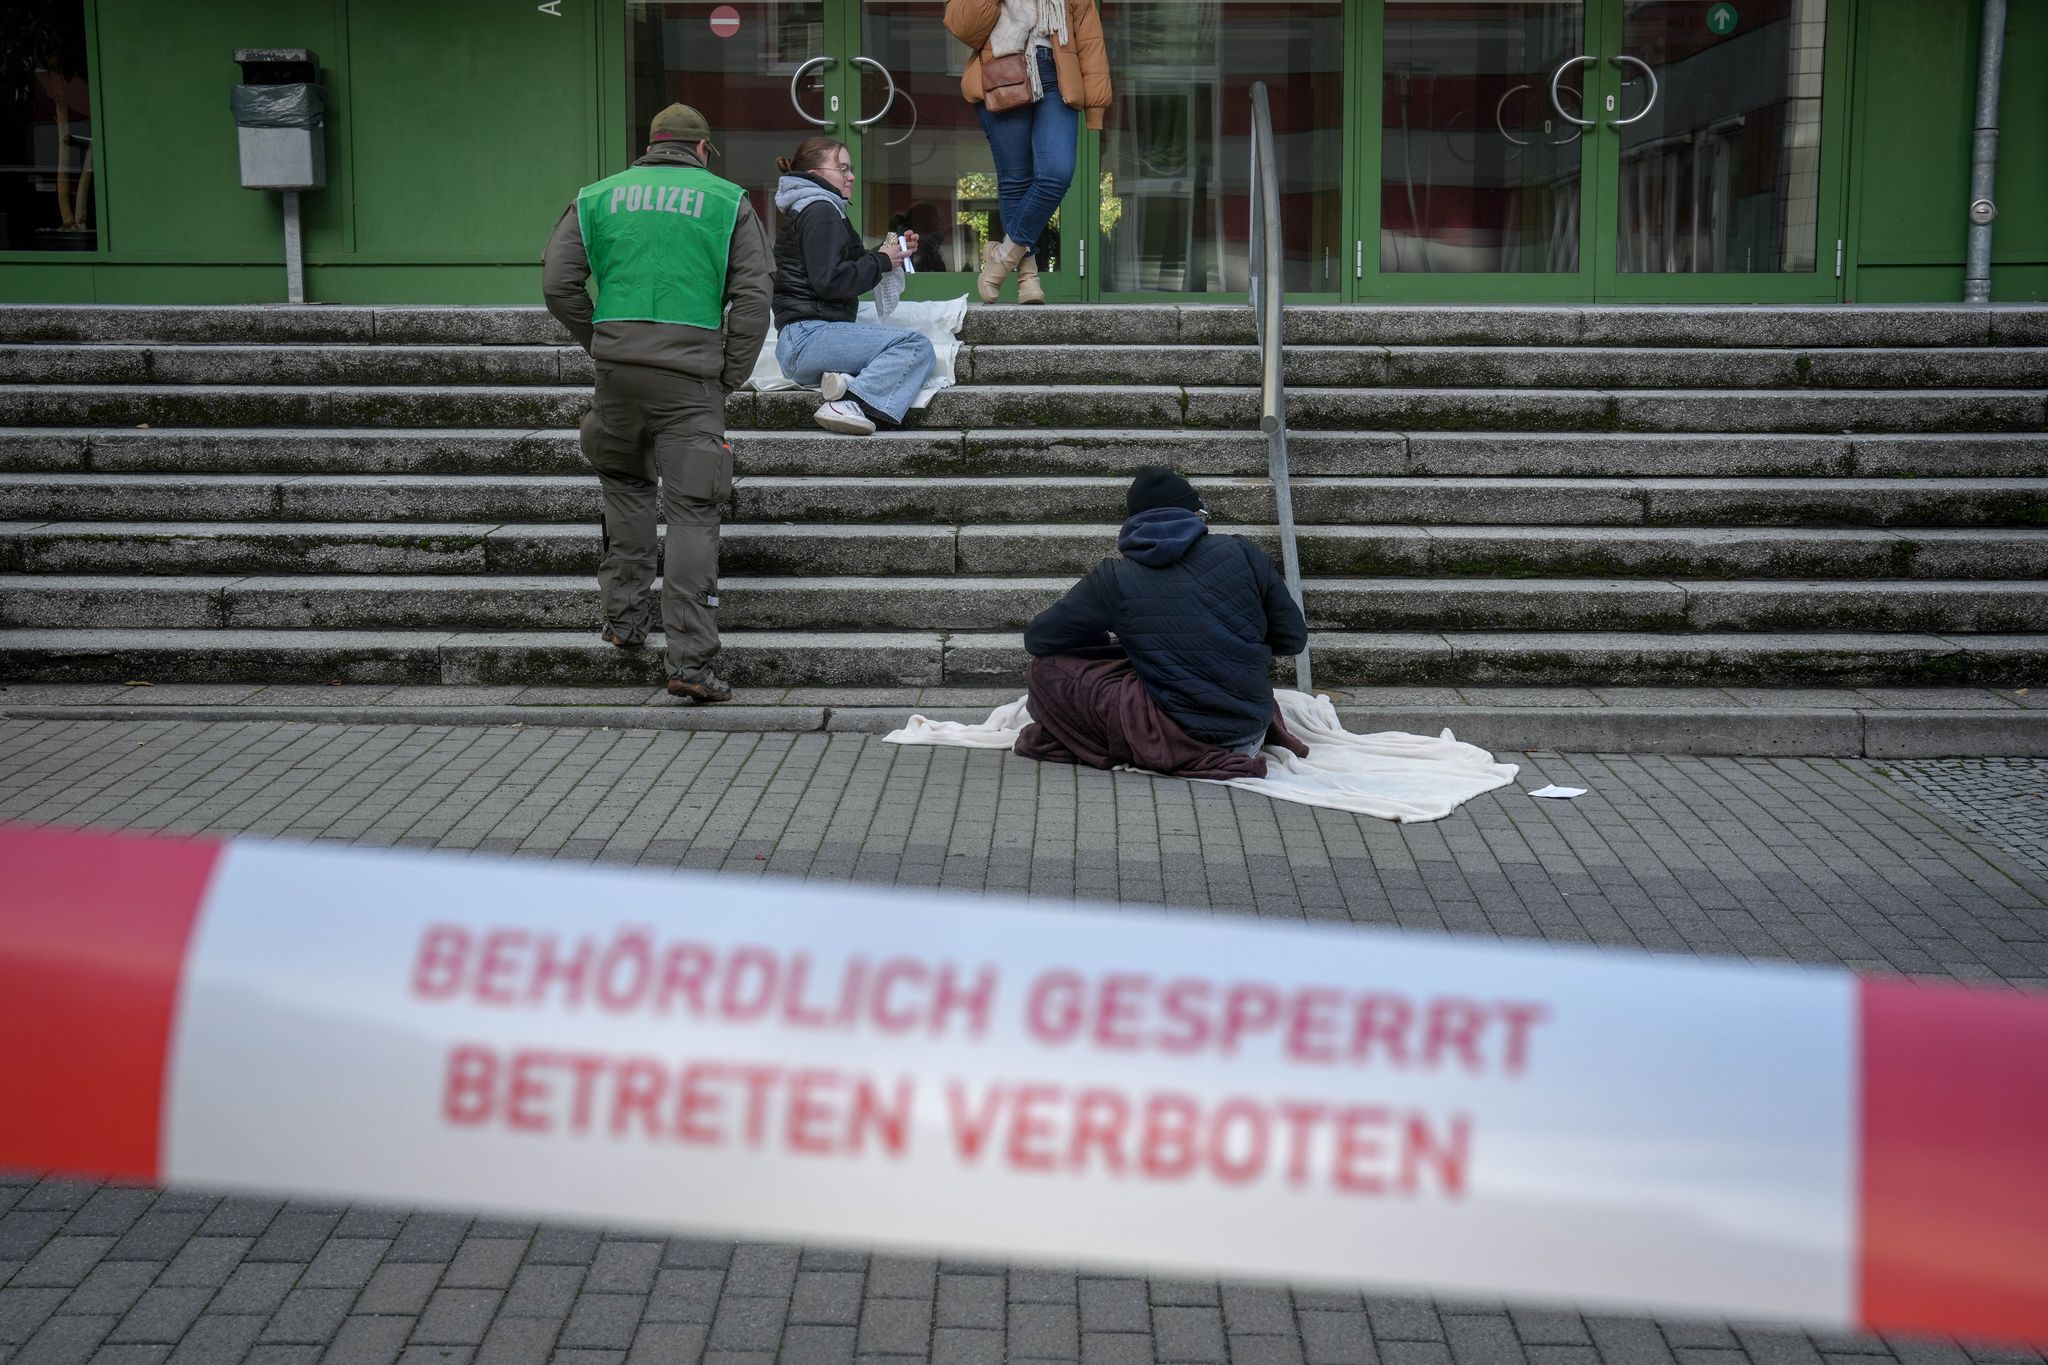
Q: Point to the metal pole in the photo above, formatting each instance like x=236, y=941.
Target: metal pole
x=294, y=253
x=1984, y=155
x=1268, y=312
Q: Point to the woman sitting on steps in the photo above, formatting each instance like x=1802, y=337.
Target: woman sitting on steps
x=869, y=373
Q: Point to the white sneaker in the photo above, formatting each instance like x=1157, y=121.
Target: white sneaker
x=843, y=414
x=834, y=385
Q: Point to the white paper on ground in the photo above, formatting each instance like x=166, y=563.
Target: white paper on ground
x=1559, y=793
x=938, y=319
x=1390, y=775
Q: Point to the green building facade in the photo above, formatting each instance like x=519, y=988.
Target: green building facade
x=1430, y=150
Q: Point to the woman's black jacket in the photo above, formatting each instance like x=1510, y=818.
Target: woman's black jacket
x=821, y=268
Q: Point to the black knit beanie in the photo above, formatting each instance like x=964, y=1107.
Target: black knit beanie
x=1158, y=486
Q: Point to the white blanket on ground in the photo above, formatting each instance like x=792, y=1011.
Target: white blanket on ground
x=938, y=319
x=1389, y=775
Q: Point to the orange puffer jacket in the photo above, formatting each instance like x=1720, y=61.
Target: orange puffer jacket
x=1083, y=62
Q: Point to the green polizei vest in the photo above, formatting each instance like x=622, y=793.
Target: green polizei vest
x=657, y=238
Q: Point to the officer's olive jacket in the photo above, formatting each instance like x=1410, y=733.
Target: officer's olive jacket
x=701, y=352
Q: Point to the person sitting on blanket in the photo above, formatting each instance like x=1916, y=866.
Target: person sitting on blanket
x=1197, y=617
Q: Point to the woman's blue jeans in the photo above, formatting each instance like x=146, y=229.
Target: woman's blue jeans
x=888, y=364
x=1033, y=147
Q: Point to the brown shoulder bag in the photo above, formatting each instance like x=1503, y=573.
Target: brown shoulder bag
x=1005, y=81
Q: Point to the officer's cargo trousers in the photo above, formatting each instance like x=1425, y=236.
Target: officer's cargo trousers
x=653, y=426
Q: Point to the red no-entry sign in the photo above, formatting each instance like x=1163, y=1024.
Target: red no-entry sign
x=725, y=21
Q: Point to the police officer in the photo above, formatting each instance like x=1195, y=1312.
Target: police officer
x=683, y=272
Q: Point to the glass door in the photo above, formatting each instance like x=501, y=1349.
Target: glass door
x=1170, y=201
x=1721, y=169
x=1626, y=150
x=1479, y=166
x=921, y=157
x=881, y=76
x=749, y=66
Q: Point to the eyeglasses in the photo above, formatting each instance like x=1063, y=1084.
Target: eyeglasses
x=844, y=169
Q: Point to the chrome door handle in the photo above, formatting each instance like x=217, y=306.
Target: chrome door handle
x=1557, y=76
x=796, y=76
x=1648, y=105
x=888, y=100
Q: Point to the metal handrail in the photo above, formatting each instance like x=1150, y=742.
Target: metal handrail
x=1268, y=298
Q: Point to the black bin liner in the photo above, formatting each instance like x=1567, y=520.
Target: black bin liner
x=278, y=106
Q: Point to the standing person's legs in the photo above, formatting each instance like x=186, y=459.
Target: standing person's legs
x=1054, y=127
x=614, y=443
x=1009, y=145
x=888, y=364
x=695, y=461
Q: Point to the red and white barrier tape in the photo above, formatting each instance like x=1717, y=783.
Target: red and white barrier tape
x=784, y=1061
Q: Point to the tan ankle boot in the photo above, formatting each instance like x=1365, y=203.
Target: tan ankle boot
x=1029, y=290
x=997, y=267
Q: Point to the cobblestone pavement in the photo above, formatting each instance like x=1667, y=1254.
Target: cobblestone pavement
x=2004, y=800
x=1819, y=861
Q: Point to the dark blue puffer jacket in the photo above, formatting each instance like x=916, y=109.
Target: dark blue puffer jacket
x=1200, y=615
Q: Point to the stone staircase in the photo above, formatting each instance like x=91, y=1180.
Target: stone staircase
x=1758, y=497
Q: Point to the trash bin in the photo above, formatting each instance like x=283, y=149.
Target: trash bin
x=280, y=119
x=280, y=114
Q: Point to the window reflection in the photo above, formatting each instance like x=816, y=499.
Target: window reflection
x=46, y=145
x=1176, y=146
x=1479, y=169
x=925, y=163
x=1722, y=173
x=739, y=80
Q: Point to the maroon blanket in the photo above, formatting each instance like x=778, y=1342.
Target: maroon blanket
x=1091, y=708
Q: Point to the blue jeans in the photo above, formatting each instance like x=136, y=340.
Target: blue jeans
x=1033, y=147
x=888, y=364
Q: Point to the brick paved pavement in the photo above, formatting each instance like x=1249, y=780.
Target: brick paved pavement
x=1822, y=861
x=2002, y=800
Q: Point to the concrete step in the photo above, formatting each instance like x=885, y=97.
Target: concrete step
x=1375, y=324
x=1885, y=723
x=1103, y=452
x=279, y=325
x=1087, y=363
x=912, y=659
x=506, y=406
x=275, y=364
x=968, y=501
x=1363, y=501
x=1561, y=551
x=460, y=658
x=408, y=602
x=267, y=450
x=563, y=602
x=1513, y=366
x=1687, y=410
x=1612, y=659
x=974, y=407
x=1463, y=325
x=1009, y=550
x=448, y=548
x=293, y=405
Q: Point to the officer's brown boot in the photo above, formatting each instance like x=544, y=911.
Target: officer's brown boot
x=708, y=688
x=1029, y=290
x=997, y=266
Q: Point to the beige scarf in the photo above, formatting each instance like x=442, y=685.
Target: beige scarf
x=1020, y=26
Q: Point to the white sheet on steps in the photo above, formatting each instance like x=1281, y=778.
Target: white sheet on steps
x=1390, y=775
x=938, y=319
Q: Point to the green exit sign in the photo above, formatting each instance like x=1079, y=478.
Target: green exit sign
x=1721, y=20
